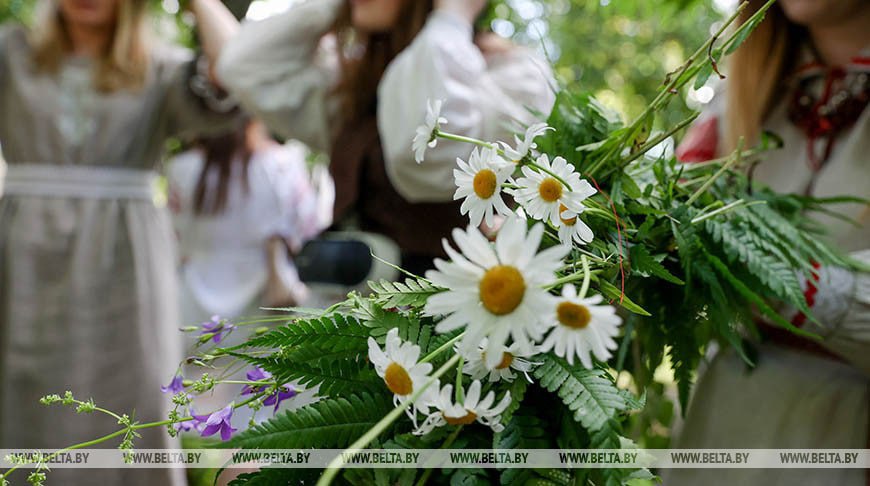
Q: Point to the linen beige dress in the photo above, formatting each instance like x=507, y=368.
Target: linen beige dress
x=793, y=399
x=87, y=262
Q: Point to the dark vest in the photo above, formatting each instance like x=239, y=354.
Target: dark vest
x=362, y=187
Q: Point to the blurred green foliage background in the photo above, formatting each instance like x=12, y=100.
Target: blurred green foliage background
x=620, y=50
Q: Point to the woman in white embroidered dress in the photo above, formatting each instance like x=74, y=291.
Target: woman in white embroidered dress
x=804, y=76
x=353, y=78
x=87, y=261
x=239, y=201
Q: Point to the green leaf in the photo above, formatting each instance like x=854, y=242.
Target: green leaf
x=703, y=74
x=331, y=423
x=518, y=392
x=742, y=33
x=413, y=292
x=333, y=377
x=645, y=264
x=590, y=394
x=336, y=332
x=613, y=293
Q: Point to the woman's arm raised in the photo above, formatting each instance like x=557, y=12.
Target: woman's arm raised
x=275, y=69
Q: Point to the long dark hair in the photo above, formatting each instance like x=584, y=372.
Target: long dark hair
x=224, y=154
x=360, y=76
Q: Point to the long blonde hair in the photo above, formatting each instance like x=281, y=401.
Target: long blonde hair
x=124, y=63
x=757, y=71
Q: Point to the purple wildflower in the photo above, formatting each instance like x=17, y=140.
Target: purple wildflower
x=175, y=386
x=219, y=422
x=217, y=327
x=282, y=394
x=185, y=426
x=197, y=423
x=257, y=374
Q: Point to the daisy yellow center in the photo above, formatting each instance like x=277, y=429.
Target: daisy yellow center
x=568, y=221
x=573, y=315
x=398, y=380
x=466, y=419
x=506, y=360
x=550, y=190
x=485, y=184
x=501, y=289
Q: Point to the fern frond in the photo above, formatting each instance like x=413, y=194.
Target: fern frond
x=329, y=423
x=336, y=332
x=413, y=292
x=646, y=265
x=334, y=378
x=590, y=394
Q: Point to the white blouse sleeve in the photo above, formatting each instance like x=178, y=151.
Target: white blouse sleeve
x=481, y=100
x=298, y=198
x=278, y=70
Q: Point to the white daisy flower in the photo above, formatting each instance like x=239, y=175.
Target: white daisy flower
x=497, y=292
x=581, y=327
x=427, y=132
x=525, y=146
x=401, y=373
x=572, y=229
x=542, y=195
x=473, y=409
x=512, y=359
x=479, y=181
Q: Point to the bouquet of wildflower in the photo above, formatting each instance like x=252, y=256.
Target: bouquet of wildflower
x=607, y=260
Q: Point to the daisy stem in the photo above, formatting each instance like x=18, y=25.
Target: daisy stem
x=584, y=287
x=460, y=394
x=338, y=463
x=570, y=278
x=447, y=443
x=550, y=173
x=736, y=158
x=474, y=141
x=441, y=348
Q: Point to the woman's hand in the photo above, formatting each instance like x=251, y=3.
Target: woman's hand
x=467, y=9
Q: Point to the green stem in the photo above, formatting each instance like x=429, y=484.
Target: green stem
x=338, y=463
x=441, y=348
x=652, y=143
x=550, y=173
x=735, y=160
x=587, y=275
x=117, y=433
x=474, y=141
x=447, y=443
x=674, y=82
x=695, y=166
x=718, y=211
x=460, y=393
x=573, y=277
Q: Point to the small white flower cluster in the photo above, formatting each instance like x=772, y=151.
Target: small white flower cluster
x=549, y=191
x=404, y=376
